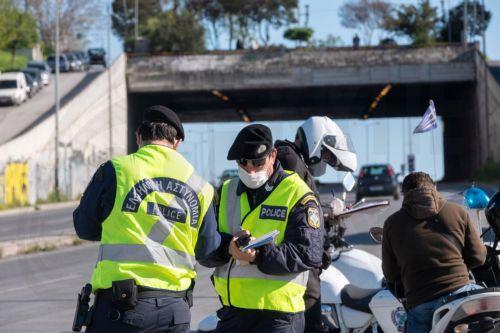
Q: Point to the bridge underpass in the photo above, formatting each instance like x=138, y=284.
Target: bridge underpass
x=339, y=84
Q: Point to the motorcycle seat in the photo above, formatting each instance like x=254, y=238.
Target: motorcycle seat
x=357, y=298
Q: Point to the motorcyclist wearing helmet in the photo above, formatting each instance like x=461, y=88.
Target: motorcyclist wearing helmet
x=319, y=142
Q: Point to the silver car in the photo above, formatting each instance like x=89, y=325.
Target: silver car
x=44, y=68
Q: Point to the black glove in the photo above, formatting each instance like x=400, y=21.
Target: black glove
x=326, y=259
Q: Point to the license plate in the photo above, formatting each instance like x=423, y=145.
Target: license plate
x=376, y=188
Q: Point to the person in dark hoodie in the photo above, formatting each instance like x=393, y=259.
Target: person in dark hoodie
x=428, y=246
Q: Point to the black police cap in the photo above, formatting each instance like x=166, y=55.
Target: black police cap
x=162, y=114
x=252, y=142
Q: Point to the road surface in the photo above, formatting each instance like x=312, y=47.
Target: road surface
x=31, y=224
x=15, y=120
x=39, y=290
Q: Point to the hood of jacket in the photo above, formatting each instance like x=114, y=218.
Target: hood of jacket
x=422, y=203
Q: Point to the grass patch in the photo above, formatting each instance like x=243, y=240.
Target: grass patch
x=39, y=248
x=489, y=173
x=7, y=65
x=52, y=198
x=77, y=241
x=13, y=205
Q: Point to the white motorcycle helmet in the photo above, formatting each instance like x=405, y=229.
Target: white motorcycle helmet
x=323, y=142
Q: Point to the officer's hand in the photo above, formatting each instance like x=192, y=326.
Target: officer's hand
x=234, y=251
x=241, y=233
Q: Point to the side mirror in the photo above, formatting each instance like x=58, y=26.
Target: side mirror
x=376, y=233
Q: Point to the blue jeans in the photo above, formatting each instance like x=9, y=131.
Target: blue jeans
x=420, y=317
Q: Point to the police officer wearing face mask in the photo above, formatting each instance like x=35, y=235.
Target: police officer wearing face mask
x=319, y=142
x=262, y=290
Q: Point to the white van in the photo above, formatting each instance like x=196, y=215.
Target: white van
x=13, y=88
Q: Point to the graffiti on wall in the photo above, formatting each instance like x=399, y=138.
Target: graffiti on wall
x=16, y=184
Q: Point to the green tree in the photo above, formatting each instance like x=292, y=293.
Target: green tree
x=123, y=15
x=452, y=29
x=367, y=16
x=76, y=18
x=299, y=34
x=245, y=19
x=419, y=22
x=267, y=14
x=6, y=7
x=175, y=31
x=328, y=41
x=18, y=30
x=212, y=12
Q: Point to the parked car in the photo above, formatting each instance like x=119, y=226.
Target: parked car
x=36, y=76
x=377, y=179
x=97, y=56
x=63, y=63
x=13, y=88
x=31, y=87
x=44, y=70
x=75, y=63
x=84, y=57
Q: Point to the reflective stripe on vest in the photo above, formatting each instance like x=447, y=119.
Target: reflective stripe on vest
x=150, y=252
x=245, y=286
x=152, y=230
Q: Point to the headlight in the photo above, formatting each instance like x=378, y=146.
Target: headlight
x=462, y=328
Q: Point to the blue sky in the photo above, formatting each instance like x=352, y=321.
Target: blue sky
x=375, y=140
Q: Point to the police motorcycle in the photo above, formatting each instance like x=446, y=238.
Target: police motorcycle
x=475, y=311
x=352, y=288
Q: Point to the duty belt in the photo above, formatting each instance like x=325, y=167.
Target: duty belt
x=107, y=294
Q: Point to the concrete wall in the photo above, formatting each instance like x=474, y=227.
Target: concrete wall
x=300, y=68
x=83, y=138
x=486, y=115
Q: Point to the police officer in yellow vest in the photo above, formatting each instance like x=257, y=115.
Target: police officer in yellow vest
x=154, y=217
x=262, y=290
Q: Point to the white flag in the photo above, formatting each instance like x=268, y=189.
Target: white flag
x=429, y=120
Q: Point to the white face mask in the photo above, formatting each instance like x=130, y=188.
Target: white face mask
x=252, y=180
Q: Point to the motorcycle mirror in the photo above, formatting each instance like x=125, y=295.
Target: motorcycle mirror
x=376, y=234
x=348, y=182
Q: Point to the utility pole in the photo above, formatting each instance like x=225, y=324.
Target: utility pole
x=56, y=89
x=474, y=19
x=307, y=16
x=483, y=28
x=136, y=20
x=465, y=23
x=110, y=100
x=449, y=23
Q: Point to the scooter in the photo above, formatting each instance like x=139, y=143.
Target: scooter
x=353, y=295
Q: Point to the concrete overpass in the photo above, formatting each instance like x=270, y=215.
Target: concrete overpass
x=340, y=83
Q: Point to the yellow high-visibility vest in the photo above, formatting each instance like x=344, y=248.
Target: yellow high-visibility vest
x=245, y=286
x=151, y=232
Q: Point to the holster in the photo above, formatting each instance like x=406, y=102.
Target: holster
x=83, y=312
x=124, y=294
x=189, y=294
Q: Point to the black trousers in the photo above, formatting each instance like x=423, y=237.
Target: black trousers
x=165, y=315
x=258, y=321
